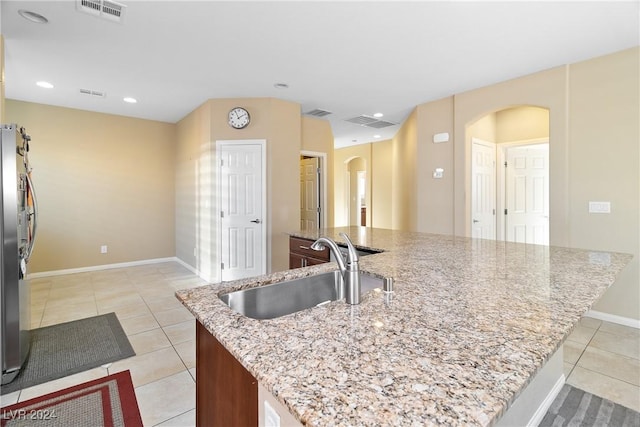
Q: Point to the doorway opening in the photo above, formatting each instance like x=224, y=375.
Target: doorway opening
x=509, y=197
x=313, y=184
x=356, y=191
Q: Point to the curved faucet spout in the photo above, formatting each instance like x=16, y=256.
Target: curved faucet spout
x=350, y=272
x=319, y=244
x=353, y=253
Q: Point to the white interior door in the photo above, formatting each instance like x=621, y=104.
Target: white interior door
x=483, y=189
x=527, y=194
x=241, y=198
x=309, y=193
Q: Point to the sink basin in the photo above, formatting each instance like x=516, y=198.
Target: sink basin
x=279, y=299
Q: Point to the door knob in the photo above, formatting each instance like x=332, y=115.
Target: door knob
x=256, y=221
x=476, y=220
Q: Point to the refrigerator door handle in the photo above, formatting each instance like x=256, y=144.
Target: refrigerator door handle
x=33, y=217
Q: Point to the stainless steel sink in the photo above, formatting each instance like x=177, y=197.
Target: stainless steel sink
x=279, y=299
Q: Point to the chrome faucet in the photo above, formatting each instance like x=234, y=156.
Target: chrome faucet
x=350, y=272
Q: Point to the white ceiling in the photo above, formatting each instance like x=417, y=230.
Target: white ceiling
x=350, y=58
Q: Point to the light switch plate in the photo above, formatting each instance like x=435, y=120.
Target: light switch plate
x=439, y=138
x=599, y=207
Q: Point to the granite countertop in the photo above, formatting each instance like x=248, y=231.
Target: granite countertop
x=470, y=322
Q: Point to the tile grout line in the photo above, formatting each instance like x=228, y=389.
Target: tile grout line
x=600, y=349
x=583, y=349
x=174, y=349
x=172, y=418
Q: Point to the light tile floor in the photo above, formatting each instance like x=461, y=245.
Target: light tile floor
x=160, y=329
x=603, y=358
x=600, y=357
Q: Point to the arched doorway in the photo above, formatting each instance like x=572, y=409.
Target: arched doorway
x=356, y=191
x=510, y=175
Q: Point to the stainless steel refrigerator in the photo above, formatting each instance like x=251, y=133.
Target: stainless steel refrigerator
x=18, y=213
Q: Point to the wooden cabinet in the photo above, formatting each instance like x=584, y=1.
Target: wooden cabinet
x=301, y=254
x=226, y=393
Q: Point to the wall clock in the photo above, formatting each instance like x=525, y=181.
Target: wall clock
x=239, y=118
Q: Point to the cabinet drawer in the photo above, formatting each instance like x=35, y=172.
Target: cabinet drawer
x=303, y=247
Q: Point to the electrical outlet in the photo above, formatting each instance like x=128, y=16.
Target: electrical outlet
x=103, y=249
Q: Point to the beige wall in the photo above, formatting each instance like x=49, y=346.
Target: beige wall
x=194, y=233
x=127, y=183
x=100, y=180
x=604, y=146
x=404, y=184
x=317, y=137
x=381, y=184
x=434, y=197
x=593, y=122
x=510, y=125
x=276, y=121
x=484, y=128
x=521, y=124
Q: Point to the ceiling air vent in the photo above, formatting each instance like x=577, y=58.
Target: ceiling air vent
x=106, y=9
x=370, y=122
x=318, y=113
x=96, y=93
x=362, y=120
x=380, y=124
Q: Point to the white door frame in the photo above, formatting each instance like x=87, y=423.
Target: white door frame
x=323, y=183
x=265, y=223
x=501, y=178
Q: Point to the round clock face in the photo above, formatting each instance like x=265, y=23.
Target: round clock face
x=239, y=118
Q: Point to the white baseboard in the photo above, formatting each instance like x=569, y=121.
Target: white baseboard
x=101, y=267
x=536, y=419
x=195, y=271
x=626, y=321
x=187, y=266
x=533, y=402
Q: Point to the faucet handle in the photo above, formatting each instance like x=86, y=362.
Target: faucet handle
x=353, y=253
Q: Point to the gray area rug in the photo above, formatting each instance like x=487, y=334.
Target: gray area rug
x=575, y=407
x=68, y=348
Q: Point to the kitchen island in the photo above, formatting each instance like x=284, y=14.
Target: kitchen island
x=470, y=323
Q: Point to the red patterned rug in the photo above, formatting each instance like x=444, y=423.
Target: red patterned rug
x=108, y=401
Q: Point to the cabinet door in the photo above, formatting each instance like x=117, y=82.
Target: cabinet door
x=314, y=261
x=295, y=260
x=226, y=393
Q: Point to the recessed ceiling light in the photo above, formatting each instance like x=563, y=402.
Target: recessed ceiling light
x=44, y=84
x=376, y=136
x=32, y=16
x=130, y=100
x=378, y=115
x=281, y=86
